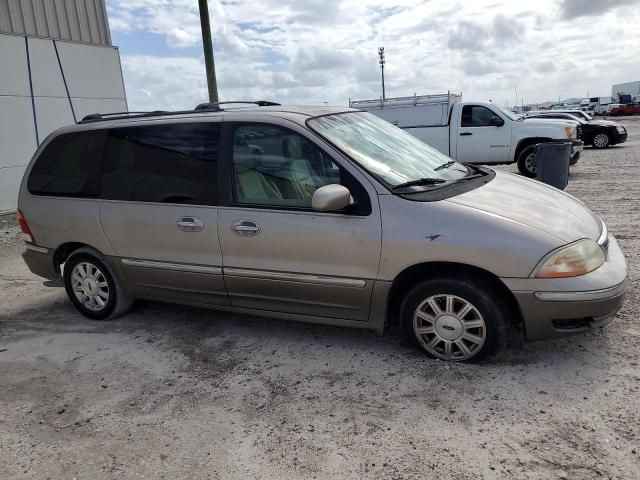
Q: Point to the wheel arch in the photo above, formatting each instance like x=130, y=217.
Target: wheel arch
x=64, y=250
x=527, y=142
x=417, y=273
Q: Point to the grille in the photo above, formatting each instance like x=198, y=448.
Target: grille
x=579, y=132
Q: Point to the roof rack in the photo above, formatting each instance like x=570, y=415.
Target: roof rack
x=200, y=108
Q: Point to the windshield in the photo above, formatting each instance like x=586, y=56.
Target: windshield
x=387, y=152
x=510, y=115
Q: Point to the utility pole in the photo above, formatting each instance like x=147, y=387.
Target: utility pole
x=382, y=62
x=207, y=45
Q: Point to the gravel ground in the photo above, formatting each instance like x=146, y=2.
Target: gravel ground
x=176, y=392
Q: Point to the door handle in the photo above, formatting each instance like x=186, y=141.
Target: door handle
x=190, y=224
x=245, y=228
x=464, y=134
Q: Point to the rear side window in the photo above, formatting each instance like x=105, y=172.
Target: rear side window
x=69, y=166
x=174, y=163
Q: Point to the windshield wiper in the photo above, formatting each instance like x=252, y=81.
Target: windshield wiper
x=445, y=165
x=419, y=181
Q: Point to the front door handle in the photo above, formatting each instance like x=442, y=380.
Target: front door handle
x=245, y=228
x=464, y=134
x=190, y=224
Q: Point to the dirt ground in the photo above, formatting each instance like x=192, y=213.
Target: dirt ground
x=175, y=392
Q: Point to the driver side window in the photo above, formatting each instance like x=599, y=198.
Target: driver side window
x=276, y=166
x=476, y=116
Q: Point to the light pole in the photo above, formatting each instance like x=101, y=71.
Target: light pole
x=382, y=62
x=207, y=45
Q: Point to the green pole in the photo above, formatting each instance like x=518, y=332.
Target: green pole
x=207, y=44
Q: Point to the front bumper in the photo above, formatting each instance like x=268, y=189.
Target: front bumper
x=577, y=146
x=619, y=138
x=557, y=307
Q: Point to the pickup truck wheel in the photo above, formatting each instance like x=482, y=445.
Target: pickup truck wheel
x=601, y=140
x=527, y=162
x=455, y=319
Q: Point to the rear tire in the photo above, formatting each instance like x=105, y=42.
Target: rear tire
x=527, y=162
x=93, y=287
x=601, y=139
x=455, y=319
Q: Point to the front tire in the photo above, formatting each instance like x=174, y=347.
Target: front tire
x=527, y=163
x=93, y=287
x=455, y=319
x=601, y=140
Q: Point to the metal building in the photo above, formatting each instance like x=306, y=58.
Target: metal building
x=57, y=65
x=630, y=88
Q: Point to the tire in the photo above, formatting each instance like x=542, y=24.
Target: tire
x=481, y=331
x=574, y=159
x=88, y=276
x=601, y=139
x=527, y=162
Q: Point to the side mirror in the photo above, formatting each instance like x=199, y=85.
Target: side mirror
x=496, y=121
x=331, y=198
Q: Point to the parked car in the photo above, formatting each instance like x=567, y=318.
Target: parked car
x=577, y=113
x=597, y=133
x=627, y=109
x=340, y=218
x=472, y=132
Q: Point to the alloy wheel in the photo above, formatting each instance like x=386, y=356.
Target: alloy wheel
x=601, y=140
x=90, y=286
x=449, y=327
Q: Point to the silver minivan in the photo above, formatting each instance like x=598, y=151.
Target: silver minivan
x=322, y=215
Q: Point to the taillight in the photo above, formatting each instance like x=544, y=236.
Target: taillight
x=27, y=236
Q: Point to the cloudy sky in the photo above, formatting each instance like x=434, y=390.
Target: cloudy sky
x=315, y=51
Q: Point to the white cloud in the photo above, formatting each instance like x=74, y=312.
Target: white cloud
x=179, y=38
x=298, y=51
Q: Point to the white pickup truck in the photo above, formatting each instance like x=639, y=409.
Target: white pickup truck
x=473, y=132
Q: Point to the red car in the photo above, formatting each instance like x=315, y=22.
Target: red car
x=629, y=109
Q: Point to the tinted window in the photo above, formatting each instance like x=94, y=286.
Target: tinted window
x=278, y=167
x=69, y=166
x=476, y=116
x=162, y=163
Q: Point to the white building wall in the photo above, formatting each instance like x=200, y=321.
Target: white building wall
x=41, y=91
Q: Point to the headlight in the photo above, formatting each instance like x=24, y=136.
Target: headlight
x=569, y=132
x=573, y=260
x=620, y=129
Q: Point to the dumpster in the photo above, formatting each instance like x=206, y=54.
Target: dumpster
x=552, y=161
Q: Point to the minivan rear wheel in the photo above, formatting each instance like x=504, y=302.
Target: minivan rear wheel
x=455, y=319
x=93, y=287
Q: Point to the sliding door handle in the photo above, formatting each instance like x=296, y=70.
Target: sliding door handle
x=245, y=228
x=190, y=224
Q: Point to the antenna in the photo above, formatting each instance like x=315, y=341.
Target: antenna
x=382, y=61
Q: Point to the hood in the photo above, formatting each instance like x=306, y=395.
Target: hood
x=604, y=123
x=546, y=121
x=535, y=204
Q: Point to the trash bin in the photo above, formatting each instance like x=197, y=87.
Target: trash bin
x=552, y=161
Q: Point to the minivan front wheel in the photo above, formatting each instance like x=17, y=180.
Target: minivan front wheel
x=456, y=320
x=93, y=287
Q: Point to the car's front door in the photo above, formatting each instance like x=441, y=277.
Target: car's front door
x=159, y=209
x=480, y=141
x=278, y=254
